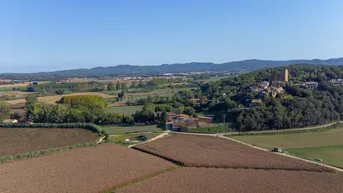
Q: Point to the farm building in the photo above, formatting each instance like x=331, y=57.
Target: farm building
x=181, y=122
x=204, y=119
x=10, y=121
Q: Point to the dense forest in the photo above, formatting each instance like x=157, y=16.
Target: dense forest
x=296, y=107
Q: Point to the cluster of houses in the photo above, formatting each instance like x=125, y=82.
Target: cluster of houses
x=272, y=87
x=336, y=82
x=182, y=123
x=309, y=85
x=264, y=88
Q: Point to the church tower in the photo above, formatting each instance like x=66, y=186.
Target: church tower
x=286, y=75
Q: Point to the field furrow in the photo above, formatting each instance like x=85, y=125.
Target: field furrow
x=86, y=170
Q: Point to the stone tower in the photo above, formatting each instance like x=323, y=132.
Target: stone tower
x=286, y=75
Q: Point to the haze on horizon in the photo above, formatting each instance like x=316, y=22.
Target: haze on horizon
x=41, y=35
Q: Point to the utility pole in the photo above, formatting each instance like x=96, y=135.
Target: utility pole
x=224, y=117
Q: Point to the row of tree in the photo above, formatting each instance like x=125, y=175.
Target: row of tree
x=78, y=108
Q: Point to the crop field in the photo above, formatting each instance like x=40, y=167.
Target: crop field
x=206, y=151
x=204, y=180
x=17, y=94
x=54, y=98
x=87, y=170
x=20, y=140
x=14, y=85
x=326, y=145
x=325, y=138
x=126, y=110
x=113, y=130
x=331, y=155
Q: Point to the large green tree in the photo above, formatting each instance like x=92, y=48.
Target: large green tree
x=4, y=111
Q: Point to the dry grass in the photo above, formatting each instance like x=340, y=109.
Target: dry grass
x=15, y=85
x=14, y=93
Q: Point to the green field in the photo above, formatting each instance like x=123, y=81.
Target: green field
x=126, y=110
x=325, y=138
x=325, y=145
x=114, y=130
x=331, y=155
x=5, y=89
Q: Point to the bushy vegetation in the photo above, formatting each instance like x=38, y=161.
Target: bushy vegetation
x=4, y=111
x=216, y=129
x=84, y=100
x=78, y=109
x=297, y=107
x=91, y=127
x=284, y=132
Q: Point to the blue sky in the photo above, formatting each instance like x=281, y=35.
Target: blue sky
x=45, y=35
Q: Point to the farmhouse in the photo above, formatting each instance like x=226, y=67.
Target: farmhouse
x=181, y=122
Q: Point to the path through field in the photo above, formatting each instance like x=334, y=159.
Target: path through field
x=165, y=133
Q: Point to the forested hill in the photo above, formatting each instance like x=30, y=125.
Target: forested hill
x=186, y=67
x=296, y=107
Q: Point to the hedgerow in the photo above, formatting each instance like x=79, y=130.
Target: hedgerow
x=42, y=152
x=319, y=129
x=88, y=126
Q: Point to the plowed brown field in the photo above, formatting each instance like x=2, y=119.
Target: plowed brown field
x=19, y=140
x=206, y=151
x=205, y=180
x=86, y=170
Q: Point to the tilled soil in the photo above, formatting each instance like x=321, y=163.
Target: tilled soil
x=206, y=151
x=208, y=180
x=19, y=140
x=87, y=170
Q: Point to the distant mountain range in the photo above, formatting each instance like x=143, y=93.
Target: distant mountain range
x=252, y=64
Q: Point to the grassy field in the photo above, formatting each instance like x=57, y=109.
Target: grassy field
x=326, y=138
x=332, y=155
x=326, y=145
x=5, y=89
x=126, y=110
x=114, y=130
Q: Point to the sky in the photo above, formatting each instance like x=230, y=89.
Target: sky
x=48, y=35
